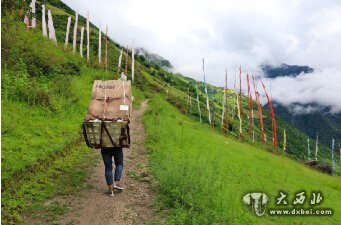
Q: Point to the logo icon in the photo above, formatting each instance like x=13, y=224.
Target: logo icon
x=257, y=201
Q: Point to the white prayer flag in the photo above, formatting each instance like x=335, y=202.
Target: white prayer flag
x=81, y=45
x=223, y=112
x=33, y=10
x=52, y=33
x=99, y=44
x=133, y=60
x=26, y=21
x=308, y=149
x=88, y=38
x=119, y=62
x=43, y=21
x=333, y=162
x=75, y=33
x=317, y=146
x=207, y=101
x=67, y=31
x=240, y=119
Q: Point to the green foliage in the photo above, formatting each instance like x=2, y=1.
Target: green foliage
x=63, y=175
x=44, y=104
x=37, y=52
x=202, y=175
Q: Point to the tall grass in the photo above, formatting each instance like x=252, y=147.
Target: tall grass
x=202, y=176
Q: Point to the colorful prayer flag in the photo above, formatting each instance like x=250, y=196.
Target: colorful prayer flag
x=207, y=101
x=52, y=32
x=316, y=146
x=67, y=31
x=75, y=33
x=199, y=110
x=274, y=132
x=81, y=44
x=43, y=21
x=88, y=38
x=284, y=141
x=260, y=111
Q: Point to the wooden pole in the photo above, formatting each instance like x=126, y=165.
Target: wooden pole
x=126, y=68
x=106, y=48
x=99, y=44
x=88, y=39
x=226, y=104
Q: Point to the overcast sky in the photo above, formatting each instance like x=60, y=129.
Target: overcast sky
x=230, y=33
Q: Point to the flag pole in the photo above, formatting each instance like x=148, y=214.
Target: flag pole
x=199, y=110
x=205, y=86
x=316, y=146
x=226, y=104
x=308, y=149
x=106, y=48
x=250, y=106
x=99, y=44
x=119, y=63
x=333, y=162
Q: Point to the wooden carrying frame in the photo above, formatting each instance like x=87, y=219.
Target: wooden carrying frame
x=108, y=117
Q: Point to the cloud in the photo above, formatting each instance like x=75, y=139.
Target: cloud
x=321, y=87
x=232, y=33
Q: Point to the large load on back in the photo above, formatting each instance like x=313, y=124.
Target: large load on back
x=107, y=120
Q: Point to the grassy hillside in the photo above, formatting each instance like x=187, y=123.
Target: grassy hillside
x=202, y=175
x=180, y=86
x=45, y=92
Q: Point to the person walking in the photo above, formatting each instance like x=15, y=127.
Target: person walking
x=107, y=155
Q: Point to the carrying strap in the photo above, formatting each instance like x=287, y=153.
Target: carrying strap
x=128, y=132
x=107, y=131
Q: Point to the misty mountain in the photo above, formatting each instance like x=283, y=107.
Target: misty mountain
x=312, y=119
x=284, y=70
x=154, y=58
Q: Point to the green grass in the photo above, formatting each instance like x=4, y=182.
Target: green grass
x=202, y=175
x=35, y=138
x=63, y=176
x=201, y=179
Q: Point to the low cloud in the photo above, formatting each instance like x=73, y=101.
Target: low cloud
x=321, y=87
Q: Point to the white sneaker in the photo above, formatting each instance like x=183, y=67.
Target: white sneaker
x=111, y=193
x=117, y=186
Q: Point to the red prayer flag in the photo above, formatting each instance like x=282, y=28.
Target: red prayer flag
x=274, y=132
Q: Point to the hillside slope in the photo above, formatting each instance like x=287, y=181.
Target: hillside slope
x=203, y=175
x=45, y=92
x=180, y=87
x=321, y=121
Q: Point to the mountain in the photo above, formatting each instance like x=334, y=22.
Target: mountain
x=309, y=118
x=284, y=70
x=312, y=119
x=154, y=58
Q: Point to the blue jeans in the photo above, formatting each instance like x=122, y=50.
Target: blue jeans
x=107, y=154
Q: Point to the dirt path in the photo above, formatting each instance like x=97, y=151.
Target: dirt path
x=131, y=206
